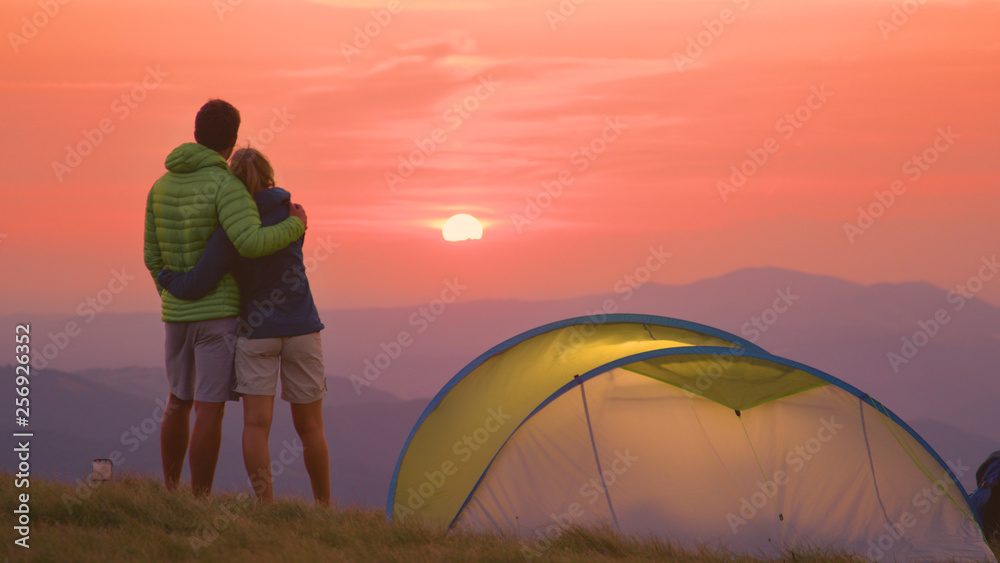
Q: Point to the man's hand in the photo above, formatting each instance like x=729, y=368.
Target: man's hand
x=295, y=210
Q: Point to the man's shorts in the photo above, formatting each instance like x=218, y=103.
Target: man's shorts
x=297, y=359
x=200, y=360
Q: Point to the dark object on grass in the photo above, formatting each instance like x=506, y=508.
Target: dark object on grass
x=986, y=499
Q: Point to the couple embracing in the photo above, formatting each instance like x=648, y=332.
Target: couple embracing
x=224, y=247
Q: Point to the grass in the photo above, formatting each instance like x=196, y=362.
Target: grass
x=135, y=519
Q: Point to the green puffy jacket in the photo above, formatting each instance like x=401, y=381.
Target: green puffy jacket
x=184, y=207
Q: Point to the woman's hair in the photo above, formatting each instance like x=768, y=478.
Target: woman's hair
x=253, y=169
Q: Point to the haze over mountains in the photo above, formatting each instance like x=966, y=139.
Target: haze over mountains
x=925, y=354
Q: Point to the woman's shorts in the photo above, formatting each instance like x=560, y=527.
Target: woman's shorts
x=296, y=360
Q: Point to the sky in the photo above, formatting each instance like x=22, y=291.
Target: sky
x=854, y=139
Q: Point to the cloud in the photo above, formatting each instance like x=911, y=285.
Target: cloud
x=68, y=85
x=421, y=5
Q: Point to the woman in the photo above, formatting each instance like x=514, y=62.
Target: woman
x=278, y=334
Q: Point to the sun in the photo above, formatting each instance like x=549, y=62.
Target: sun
x=462, y=227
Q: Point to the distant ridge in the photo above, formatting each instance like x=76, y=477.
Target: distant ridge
x=849, y=330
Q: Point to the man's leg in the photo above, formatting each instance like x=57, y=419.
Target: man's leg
x=308, y=420
x=213, y=356
x=206, y=438
x=174, y=439
x=174, y=426
x=257, y=414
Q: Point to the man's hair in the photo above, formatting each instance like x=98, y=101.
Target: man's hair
x=217, y=125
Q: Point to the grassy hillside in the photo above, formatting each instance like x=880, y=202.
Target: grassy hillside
x=134, y=519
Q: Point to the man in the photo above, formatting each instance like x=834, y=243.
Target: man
x=183, y=208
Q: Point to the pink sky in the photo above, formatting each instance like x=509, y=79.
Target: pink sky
x=344, y=121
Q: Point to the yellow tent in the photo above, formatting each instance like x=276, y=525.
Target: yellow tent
x=660, y=427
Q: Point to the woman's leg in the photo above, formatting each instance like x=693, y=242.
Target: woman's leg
x=257, y=411
x=308, y=419
x=257, y=364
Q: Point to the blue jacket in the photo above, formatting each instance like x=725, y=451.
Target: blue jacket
x=275, y=300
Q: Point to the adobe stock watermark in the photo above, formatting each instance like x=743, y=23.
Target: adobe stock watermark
x=278, y=122
x=420, y=320
x=206, y=191
x=590, y=493
x=86, y=311
x=900, y=16
x=638, y=277
x=131, y=439
x=707, y=376
x=580, y=161
x=32, y=25
x=752, y=329
x=290, y=451
x=122, y=108
x=920, y=504
x=365, y=34
x=913, y=168
x=956, y=300
x=454, y=116
x=624, y=288
x=787, y=126
x=714, y=28
x=562, y=12
x=225, y=7
x=796, y=459
x=437, y=476
x=209, y=530
x=295, y=277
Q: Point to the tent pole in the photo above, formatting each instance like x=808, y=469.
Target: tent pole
x=781, y=517
x=597, y=459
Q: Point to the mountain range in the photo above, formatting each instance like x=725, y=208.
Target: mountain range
x=920, y=350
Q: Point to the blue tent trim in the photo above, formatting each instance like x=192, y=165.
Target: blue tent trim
x=511, y=342
x=719, y=350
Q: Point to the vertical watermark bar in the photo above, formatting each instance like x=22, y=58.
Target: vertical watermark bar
x=22, y=417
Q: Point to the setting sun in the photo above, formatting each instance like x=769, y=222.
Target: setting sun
x=462, y=227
